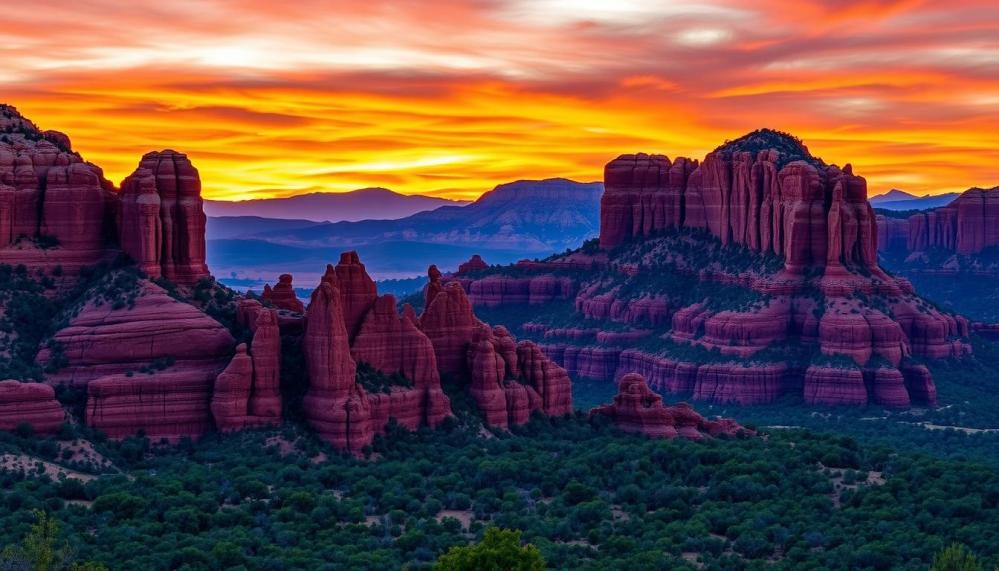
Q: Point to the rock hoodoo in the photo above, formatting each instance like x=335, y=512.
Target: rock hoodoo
x=335, y=406
x=406, y=354
x=163, y=219
x=636, y=408
x=282, y=295
x=750, y=275
x=247, y=392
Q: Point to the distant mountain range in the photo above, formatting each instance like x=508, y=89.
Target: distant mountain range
x=364, y=204
x=900, y=200
x=523, y=219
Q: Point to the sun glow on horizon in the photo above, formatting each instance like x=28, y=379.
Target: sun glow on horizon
x=453, y=98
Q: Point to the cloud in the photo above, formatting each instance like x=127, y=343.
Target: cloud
x=455, y=96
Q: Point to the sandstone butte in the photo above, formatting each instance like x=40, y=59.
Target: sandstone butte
x=637, y=408
x=789, y=239
x=966, y=226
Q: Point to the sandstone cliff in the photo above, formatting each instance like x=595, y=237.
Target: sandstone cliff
x=741, y=278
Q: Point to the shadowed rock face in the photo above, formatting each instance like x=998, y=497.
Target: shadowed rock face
x=636, y=408
x=742, y=278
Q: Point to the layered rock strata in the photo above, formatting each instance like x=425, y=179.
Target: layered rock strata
x=29, y=403
x=163, y=219
x=637, y=409
x=743, y=278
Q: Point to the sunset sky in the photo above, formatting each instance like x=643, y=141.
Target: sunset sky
x=451, y=97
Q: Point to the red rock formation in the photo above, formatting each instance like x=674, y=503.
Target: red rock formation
x=549, y=380
x=103, y=339
x=165, y=233
x=165, y=405
x=392, y=343
x=334, y=405
x=29, y=403
x=265, y=399
x=488, y=385
x=511, y=381
x=474, y=264
x=893, y=233
x=966, y=226
x=779, y=201
x=357, y=289
x=247, y=392
x=283, y=295
x=919, y=385
x=450, y=323
x=434, y=286
x=762, y=193
x=638, y=409
x=231, y=392
x=493, y=291
x=50, y=196
x=834, y=386
x=148, y=366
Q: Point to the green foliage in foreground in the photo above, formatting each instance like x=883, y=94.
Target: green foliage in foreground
x=41, y=550
x=500, y=550
x=955, y=558
x=585, y=495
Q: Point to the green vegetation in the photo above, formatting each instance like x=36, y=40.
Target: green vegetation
x=500, y=550
x=903, y=214
x=955, y=558
x=789, y=147
x=584, y=495
x=40, y=550
x=374, y=381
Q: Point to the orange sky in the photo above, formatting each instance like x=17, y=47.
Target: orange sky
x=452, y=97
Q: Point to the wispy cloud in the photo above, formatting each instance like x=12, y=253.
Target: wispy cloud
x=455, y=96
